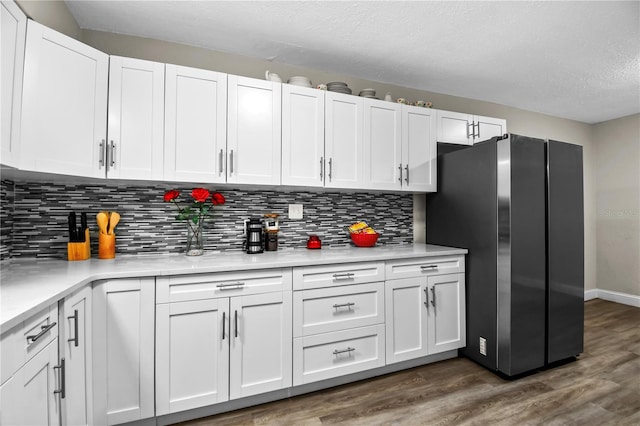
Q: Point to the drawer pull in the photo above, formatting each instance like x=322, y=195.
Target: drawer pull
x=62, y=389
x=430, y=267
x=43, y=331
x=74, y=317
x=344, y=276
x=341, y=351
x=230, y=286
x=347, y=305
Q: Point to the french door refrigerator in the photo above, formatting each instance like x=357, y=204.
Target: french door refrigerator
x=516, y=203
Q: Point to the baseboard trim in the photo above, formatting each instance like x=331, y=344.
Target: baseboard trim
x=613, y=296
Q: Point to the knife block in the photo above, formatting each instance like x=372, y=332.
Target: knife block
x=80, y=251
x=106, y=246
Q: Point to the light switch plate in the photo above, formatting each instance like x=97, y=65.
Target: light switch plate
x=295, y=211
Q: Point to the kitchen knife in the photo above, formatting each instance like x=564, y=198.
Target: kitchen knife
x=72, y=227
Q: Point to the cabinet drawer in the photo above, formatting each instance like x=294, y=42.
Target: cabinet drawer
x=322, y=310
x=328, y=355
x=424, y=266
x=336, y=275
x=182, y=288
x=23, y=341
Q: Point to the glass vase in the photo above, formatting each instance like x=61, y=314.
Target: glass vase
x=195, y=245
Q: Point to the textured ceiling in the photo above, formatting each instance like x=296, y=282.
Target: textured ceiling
x=577, y=60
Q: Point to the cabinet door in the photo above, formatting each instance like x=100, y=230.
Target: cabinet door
x=454, y=127
x=28, y=397
x=487, y=128
x=136, y=117
x=382, y=144
x=261, y=341
x=64, y=104
x=75, y=343
x=254, y=131
x=192, y=354
x=195, y=138
x=344, y=142
x=123, y=350
x=14, y=28
x=406, y=310
x=446, y=312
x=302, y=136
x=419, y=156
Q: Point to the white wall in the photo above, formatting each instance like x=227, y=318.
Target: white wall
x=617, y=177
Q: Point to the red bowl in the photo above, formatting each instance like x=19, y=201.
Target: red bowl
x=364, y=240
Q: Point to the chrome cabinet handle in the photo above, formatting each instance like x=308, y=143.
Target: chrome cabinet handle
x=426, y=298
x=113, y=154
x=230, y=162
x=321, y=168
x=400, y=172
x=224, y=320
x=341, y=351
x=330, y=168
x=230, y=286
x=236, y=321
x=43, y=330
x=75, y=328
x=344, y=305
x=102, y=150
x=62, y=390
x=221, y=160
x=406, y=169
x=470, y=133
x=433, y=296
x=428, y=267
x=344, y=276
x=478, y=126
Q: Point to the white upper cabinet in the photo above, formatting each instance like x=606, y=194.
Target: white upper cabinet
x=467, y=129
x=254, y=131
x=14, y=29
x=382, y=144
x=136, y=117
x=419, y=156
x=64, y=104
x=344, y=142
x=302, y=136
x=195, y=137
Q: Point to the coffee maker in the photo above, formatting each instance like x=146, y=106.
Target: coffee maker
x=253, y=232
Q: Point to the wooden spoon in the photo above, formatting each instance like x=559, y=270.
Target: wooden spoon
x=113, y=221
x=103, y=221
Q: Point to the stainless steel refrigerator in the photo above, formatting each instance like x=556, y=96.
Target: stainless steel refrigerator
x=517, y=204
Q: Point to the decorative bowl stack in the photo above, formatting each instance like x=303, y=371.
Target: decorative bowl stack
x=300, y=81
x=368, y=93
x=338, y=86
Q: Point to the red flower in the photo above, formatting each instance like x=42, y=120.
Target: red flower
x=171, y=195
x=200, y=195
x=217, y=198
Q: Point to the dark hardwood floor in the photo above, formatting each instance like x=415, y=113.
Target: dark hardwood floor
x=601, y=388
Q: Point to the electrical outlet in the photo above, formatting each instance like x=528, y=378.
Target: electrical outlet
x=483, y=346
x=295, y=211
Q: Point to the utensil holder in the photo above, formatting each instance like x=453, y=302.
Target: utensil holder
x=106, y=246
x=80, y=251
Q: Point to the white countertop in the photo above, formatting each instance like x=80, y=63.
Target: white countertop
x=27, y=286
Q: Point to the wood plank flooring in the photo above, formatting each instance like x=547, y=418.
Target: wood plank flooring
x=601, y=388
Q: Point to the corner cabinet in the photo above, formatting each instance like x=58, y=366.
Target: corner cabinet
x=253, y=131
x=467, y=129
x=64, y=105
x=195, y=125
x=14, y=28
x=221, y=336
x=136, y=118
x=123, y=350
x=425, y=307
x=302, y=136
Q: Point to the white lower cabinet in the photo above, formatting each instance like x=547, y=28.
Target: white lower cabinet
x=221, y=348
x=425, y=313
x=123, y=350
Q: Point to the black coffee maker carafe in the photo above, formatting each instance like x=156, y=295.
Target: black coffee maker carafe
x=254, y=234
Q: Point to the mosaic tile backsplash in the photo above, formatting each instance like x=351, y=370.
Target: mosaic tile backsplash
x=34, y=217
